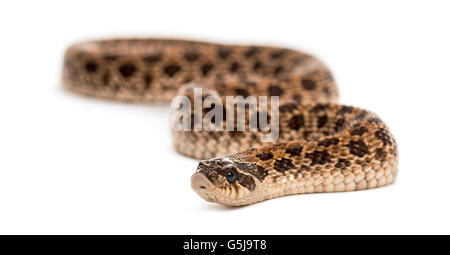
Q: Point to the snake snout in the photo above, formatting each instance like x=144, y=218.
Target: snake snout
x=200, y=182
x=201, y=185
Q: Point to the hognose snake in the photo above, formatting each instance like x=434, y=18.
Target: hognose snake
x=322, y=146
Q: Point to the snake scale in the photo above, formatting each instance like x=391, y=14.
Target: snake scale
x=322, y=146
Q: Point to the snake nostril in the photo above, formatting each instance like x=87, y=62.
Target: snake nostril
x=202, y=187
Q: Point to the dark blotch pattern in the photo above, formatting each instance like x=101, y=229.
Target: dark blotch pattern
x=172, y=69
x=309, y=84
x=91, y=66
x=283, y=165
x=383, y=135
x=345, y=109
x=358, y=130
x=322, y=121
x=296, y=122
x=234, y=67
x=361, y=116
x=318, y=157
x=152, y=58
x=342, y=163
x=127, y=70
x=275, y=90
x=289, y=107
x=294, y=150
x=249, y=83
x=306, y=134
x=305, y=168
x=261, y=173
x=254, y=170
x=257, y=65
x=380, y=154
x=246, y=181
x=374, y=120
x=251, y=52
x=358, y=148
x=265, y=156
x=328, y=142
x=277, y=70
x=235, y=133
x=241, y=92
x=278, y=54
x=148, y=80
x=191, y=56
x=206, y=68
x=297, y=98
x=319, y=107
x=339, y=125
x=106, y=78
x=223, y=53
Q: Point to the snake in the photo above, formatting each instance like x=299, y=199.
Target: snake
x=322, y=146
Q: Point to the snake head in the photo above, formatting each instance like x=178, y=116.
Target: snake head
x=224, y=181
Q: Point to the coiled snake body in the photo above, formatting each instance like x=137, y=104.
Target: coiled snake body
x=322, y=146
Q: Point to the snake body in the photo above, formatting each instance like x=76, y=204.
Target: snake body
x=322, y=146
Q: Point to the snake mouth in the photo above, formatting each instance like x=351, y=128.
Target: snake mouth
x=203, y=186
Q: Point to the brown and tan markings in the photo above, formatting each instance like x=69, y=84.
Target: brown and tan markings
x=322, y=146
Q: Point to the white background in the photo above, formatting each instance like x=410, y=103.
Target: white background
x=76, y=165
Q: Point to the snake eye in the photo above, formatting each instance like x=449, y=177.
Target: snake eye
x=231, y=176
